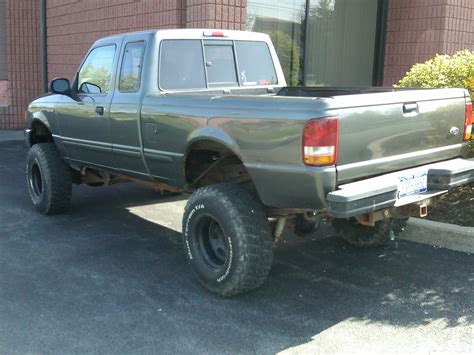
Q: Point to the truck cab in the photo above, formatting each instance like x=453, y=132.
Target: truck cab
x=107, y=123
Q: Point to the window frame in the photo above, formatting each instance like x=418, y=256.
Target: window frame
x=77, y=85
x=209, y=41
x=141, y=67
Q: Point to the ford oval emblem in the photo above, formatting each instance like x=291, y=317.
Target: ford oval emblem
x=454, y=131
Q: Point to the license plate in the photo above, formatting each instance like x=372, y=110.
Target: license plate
x=412, y=182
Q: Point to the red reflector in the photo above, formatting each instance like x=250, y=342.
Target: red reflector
x=468, y=122
x=320, y=141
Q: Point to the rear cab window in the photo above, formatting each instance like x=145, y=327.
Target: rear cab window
x=201, y=64
x=220, y=63
x=255, y=63
x=181, y=65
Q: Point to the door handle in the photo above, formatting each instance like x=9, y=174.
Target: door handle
x=408, y=108
x=99, y=110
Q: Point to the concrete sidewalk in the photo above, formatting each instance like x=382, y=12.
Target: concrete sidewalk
x=11, y=135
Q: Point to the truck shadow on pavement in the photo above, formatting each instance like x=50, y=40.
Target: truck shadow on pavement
x=101, y=279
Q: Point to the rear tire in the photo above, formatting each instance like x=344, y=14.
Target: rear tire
x=227, y=239
x=305, y=227
x=49, y=179
x=399, y=225
x=358, y=235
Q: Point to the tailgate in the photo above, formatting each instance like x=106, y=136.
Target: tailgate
x=384, y=132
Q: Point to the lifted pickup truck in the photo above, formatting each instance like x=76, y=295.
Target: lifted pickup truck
x=208, y=112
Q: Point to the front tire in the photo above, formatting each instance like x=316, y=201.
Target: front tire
x=358, y=235
x=49, y=179
x=227, y=239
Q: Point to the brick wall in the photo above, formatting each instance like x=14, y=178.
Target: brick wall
x=3, y=42
x=4, y=93
x=418, y=29
x=225, y=14
x=73, y=25
x=23, y=82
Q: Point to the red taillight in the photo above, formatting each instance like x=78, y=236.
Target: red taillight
x=468, y=122
x=320, y=141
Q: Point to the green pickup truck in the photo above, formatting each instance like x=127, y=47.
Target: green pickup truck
x=208, y=113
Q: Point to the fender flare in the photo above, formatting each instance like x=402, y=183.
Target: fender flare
x=219, y=136
x=39, y=117
x=34, y=119
x=212, y=134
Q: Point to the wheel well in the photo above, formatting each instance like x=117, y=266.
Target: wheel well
x=40, y=134
x=209, y=162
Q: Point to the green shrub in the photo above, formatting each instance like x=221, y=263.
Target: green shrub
x=443, y=71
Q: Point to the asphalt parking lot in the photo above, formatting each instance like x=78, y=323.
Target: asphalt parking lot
x=111, y=277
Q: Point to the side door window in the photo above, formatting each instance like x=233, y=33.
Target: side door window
x=96, y=72
x=131, y=71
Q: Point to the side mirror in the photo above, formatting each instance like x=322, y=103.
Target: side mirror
x=60, y=86
x=89, y=88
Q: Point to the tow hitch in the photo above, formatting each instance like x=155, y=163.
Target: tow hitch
x=419, y=209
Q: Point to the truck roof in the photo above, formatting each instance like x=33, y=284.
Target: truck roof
x=194, y=33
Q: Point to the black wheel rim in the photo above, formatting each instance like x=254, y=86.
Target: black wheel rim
x=212, y=243
x=36, y=180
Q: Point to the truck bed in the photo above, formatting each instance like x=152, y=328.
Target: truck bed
x=306, y=91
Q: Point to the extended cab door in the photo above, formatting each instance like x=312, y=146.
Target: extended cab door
x=125, y=108
x=84, y=118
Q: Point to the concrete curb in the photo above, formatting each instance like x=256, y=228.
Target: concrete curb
x=449, y=236
x=11, y=136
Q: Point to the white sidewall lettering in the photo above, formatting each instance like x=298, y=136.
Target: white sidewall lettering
x=229, y=265
x=186, y=228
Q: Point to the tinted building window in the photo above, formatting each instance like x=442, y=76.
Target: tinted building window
x=178, y=71
x=131, y=71
x=332, y=42
x=340, y=42
x=255, y=63
x=284, y=22
x=97, y=68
